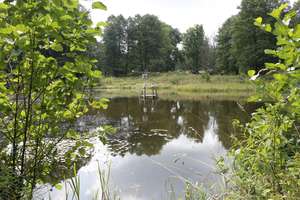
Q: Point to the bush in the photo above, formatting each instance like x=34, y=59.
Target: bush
x=205, y=76
x=267, y=164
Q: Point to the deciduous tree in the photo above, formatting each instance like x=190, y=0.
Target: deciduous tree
x=195, y=48
x=45, y=74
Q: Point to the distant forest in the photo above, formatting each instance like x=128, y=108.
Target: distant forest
x=136, y=44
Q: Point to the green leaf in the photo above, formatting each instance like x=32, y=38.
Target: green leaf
x=289, y=16
x=56, y=47
x=101, y=24
x=100, y=104
x=282, y=41
x=270, y=52
x=6, y=30
x=68, y=114
x=3, y=6
x=66, y=17
x=296, y=33
x=21, y=28
x=281, y=29
x=71, y=77
x=268, y=28
x=95, y=74
x=275, y=66
x=73, y=135
x=82, y=151
x=93, y=31
x=280, y=77
x=277, y=12
x=71, y=3
x=23, y=113
x=2, y=64
x=58, y=186
x=258, y=21
x=2, y=87
x=99, y=5
x=251, y=73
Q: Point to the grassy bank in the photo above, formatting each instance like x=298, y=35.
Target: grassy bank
x=180, y=85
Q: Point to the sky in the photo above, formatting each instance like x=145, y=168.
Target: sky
x=181, y=14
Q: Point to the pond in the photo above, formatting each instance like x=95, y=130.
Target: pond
x=159, y=145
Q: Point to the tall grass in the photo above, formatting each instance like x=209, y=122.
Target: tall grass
x=72, y=186
x=196, y=190
x=193, y=191
x=180, y=84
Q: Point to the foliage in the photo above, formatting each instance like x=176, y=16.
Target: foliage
x=45, y=74
x=226, y=61
x=195, y=47
x=241, y=44
x=251, y=39
x=195, y=192
x=72, y=186
x=140, y=43
x=115, y=47
x=206, y=77
x=144, y=43
x=267, y=164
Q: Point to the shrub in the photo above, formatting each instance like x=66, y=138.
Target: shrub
x=267, y=164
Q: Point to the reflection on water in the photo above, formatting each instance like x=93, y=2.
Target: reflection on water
x=158, y=146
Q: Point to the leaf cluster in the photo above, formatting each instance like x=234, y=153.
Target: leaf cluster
x=267, y=164
x=45, y=79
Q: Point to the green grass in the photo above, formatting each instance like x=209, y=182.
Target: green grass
x=180, y=85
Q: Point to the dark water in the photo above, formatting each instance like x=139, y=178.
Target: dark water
x=159, y=145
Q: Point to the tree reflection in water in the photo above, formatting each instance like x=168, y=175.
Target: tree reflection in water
x=157, y=142
x=144, y=127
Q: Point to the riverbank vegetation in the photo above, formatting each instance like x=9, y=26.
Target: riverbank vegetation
x=267, y=164
x=180, y=85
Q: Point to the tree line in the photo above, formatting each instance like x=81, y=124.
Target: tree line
x=144, y=43
x=241, y=44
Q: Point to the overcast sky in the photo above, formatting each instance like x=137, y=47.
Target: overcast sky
x=180, y=14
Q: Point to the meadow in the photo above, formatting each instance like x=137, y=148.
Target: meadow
x=180, y=85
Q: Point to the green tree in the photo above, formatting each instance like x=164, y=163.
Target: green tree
x=168, y=52
x=249, y=42
x=140, y=43
x=194, y=48
x=149, y=41
x=115, y=40
x=226, y=61
x=132, y=43
x=45, y=74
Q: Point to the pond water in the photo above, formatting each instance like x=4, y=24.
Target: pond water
x=159, y=145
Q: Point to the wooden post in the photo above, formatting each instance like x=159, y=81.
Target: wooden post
x=152, y=88
x=145, y=90
x=145, y=77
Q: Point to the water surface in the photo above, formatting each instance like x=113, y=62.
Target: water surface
x=159, y=145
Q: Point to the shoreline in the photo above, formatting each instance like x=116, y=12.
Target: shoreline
x=179, y=86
